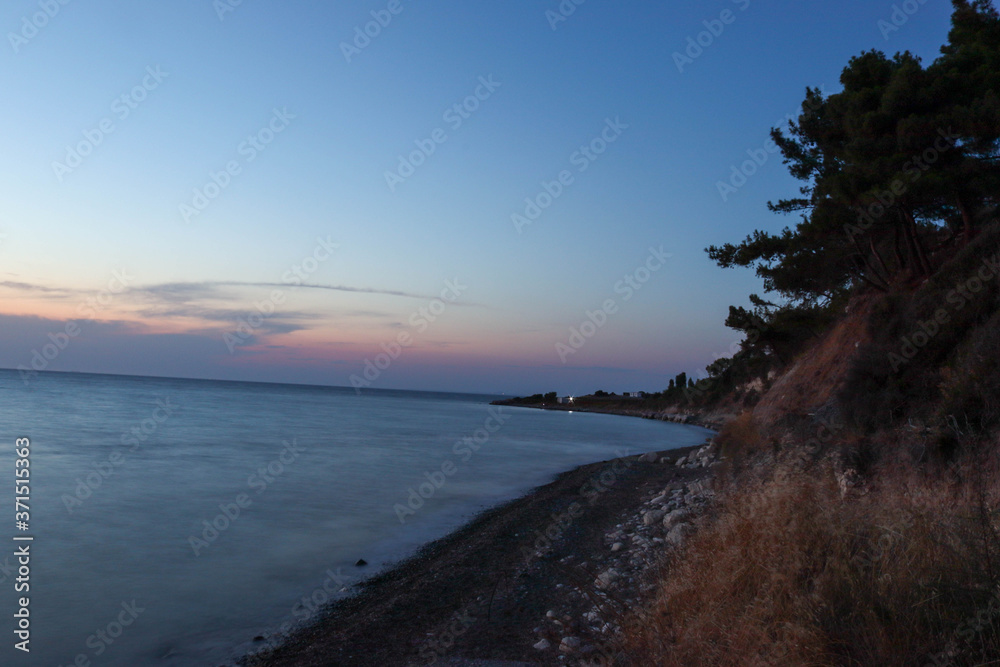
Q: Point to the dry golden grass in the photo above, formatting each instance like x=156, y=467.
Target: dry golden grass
x=818, y=373
x=739, y=437
x=791, y=573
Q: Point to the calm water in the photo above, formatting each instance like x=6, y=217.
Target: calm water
x=126, y=471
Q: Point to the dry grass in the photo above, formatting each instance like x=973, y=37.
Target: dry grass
x=739, y=437
x=818, y=373
x=791, y=573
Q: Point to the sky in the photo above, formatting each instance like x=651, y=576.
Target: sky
x=466, y=196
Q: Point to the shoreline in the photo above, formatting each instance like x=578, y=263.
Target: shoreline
x=515, y=576
x=712, y=421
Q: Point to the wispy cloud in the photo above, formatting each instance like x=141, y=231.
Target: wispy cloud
x=30, y=287
x=210, y=289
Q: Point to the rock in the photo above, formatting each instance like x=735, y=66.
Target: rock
x=681, y=461
x=569, y=644
x=659, y=500
x=259, y=638
x=361, y=562
x=674, y=518
x=543, y=644
x=649, y=457
x=664, y=460
x=617, y=546
x=652, y=518
x=606, y=578
x=550, y=614
x=679, y=533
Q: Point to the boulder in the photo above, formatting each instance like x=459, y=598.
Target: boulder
x=606, y=578
x=674, y=518
x=652, y=518
x=679, y=534
x=569, y=644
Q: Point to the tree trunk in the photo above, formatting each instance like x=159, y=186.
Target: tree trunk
x=886, y=275
x=900, y=262
x=967, y=223
x=920, y=257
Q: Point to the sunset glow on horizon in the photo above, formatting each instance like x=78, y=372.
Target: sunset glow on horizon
x=269, y=192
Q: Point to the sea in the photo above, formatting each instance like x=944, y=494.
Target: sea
x=172, y=522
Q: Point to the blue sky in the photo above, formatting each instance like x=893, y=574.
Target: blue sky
x=278, y=72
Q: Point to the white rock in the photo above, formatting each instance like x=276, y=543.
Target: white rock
x=654, y=517
x=679, y=533
x=674, y=518
x=550, y=614
x=543, y=644
x=569, y=644
x=617, y=546
x=681, y=461
x=606, y=578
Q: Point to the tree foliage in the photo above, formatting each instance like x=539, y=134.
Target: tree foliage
x=897, y=167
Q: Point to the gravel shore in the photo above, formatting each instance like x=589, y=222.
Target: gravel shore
x=541, y=580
